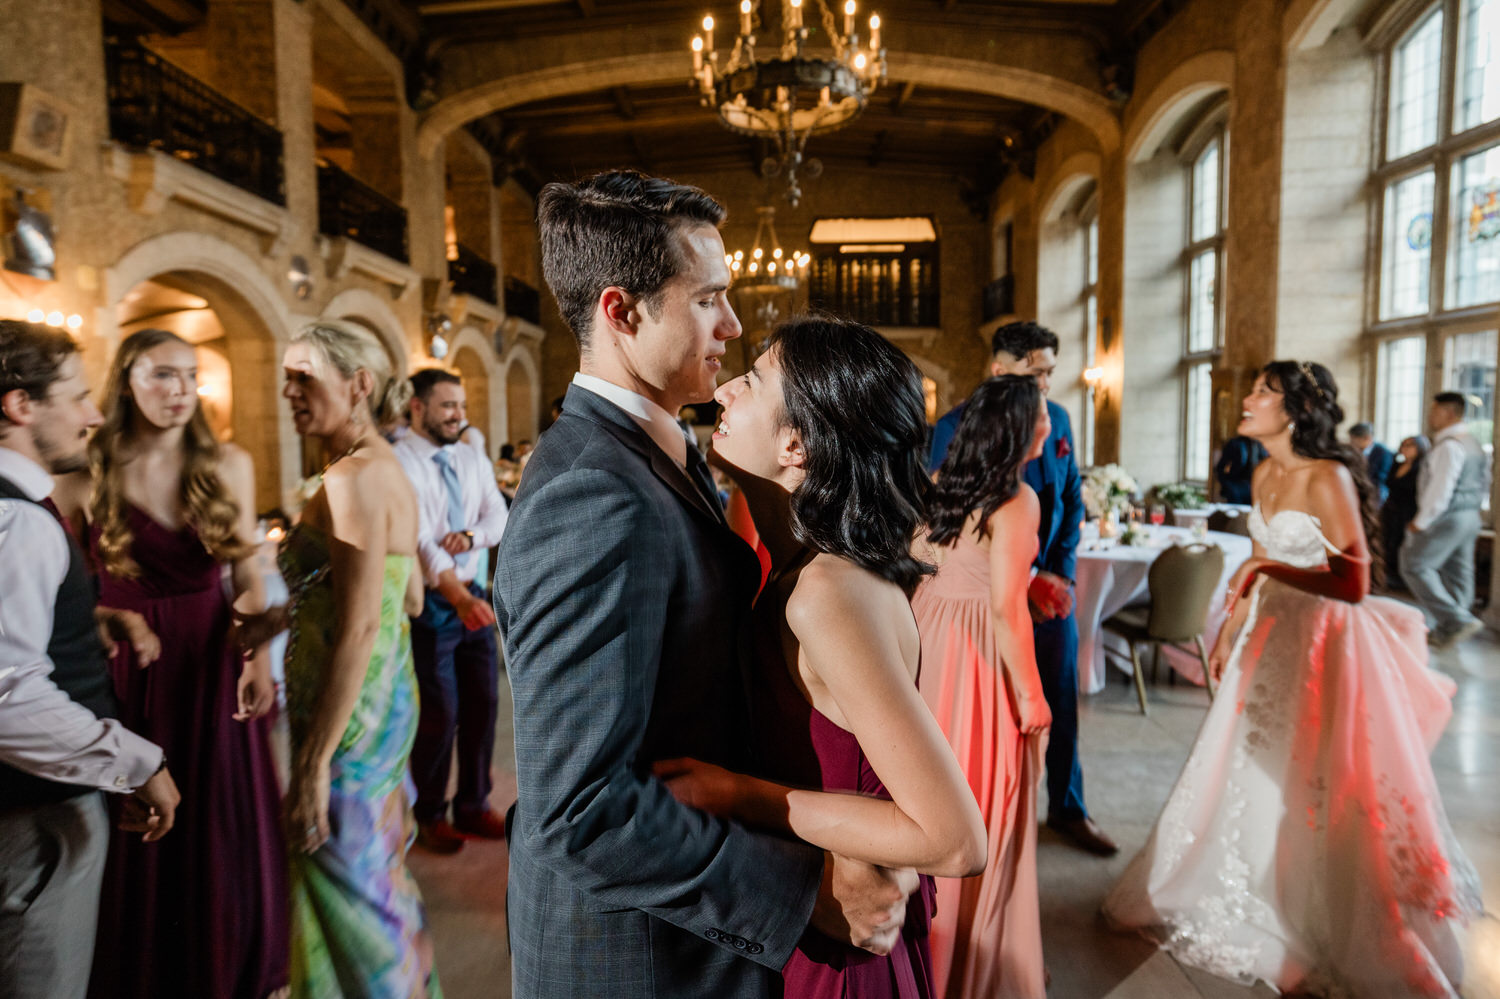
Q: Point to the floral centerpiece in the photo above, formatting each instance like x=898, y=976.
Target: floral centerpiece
x=1107, y=489
x=1179, y=495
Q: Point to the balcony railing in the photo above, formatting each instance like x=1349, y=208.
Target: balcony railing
x=349, y=207
x=1000, y=298
x=471, y=274
x=523, y=301
x=885, y=289
x=155, y=105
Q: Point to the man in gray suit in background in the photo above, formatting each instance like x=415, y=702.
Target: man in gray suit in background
x=621, y=594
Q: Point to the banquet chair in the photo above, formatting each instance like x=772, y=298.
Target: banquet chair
x=1183, y=582
x=1229, y=522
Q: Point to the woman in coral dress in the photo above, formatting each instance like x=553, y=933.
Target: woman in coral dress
x=825, y=435
x=1305, y=843
x=980, y=679
x=203, y=912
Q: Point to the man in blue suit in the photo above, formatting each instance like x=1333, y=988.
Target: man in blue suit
x=1377, y=456
x=1029, y=349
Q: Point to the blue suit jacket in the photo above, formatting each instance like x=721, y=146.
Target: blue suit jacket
x=1054, y=476
x=1380, y=460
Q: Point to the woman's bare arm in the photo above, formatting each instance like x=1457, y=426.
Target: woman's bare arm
x=1012, y=527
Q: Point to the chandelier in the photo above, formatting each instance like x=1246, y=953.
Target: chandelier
x=788, y=93
x=767, y=265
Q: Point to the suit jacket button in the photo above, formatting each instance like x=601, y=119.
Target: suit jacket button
x=740, y=943
x=755, y=948
x=712, y=934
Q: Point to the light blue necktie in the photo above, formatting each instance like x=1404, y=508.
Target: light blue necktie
x=455, y=497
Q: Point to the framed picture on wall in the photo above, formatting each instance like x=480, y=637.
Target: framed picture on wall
x=35, y=127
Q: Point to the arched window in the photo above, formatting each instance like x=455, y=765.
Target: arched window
x=1438, y=176
x=1202, y=265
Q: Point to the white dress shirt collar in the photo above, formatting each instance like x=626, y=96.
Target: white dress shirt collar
x=1451, y=430
x=31, y=478
x=421, y=445
x=659, y=425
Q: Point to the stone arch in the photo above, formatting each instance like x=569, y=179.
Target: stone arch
x=522, y=383
x=256, y=325
x=1089, y=108
x=366, y=308
x=1179, y=92
x=1307, y=24
x=474, y=358
x=1068, y=179
x=946, y=400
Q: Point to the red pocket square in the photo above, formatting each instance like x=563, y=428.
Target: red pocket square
x=1063, y=447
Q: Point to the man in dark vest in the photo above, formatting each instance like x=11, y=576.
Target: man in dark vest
x=59, y=743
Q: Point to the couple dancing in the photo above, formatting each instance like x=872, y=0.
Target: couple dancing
x=643, y=862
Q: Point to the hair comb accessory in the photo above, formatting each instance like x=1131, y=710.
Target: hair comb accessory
x=1307, y=372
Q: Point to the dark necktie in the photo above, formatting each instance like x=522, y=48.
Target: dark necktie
x=697, y=470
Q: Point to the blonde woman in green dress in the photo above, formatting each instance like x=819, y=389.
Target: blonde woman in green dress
x=358, y=926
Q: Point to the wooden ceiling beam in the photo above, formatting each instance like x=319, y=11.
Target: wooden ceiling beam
x=622, y=102
x=900, y=99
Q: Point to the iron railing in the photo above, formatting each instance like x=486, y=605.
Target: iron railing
x=155, y=105
x=884, y=289
x=349, y=207
x=523, y=301
x=471, y=274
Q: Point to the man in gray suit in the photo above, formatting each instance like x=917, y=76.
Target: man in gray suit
x=621, y=594
x=1437, y=557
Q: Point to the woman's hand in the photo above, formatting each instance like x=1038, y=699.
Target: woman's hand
x=1218, y=657
x=1242, y=580
x=305, y=811
x=1032, y=713
x=256, y=692
x=129, y=627
x=701, y=785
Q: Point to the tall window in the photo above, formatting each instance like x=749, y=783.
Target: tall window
x=1203, y=275
x=1090, y=329
x=1439, y=181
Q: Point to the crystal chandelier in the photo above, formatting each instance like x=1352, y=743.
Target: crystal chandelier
x=788, y=93
x=767, y=265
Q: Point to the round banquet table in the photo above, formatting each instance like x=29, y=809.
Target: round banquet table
x=1112, y=576
x=1187, y=518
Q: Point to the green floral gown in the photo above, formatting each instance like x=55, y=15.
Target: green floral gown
x=358, y=926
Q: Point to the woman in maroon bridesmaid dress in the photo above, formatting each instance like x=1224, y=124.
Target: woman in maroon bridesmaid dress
x=826, y=435
x=202, y=913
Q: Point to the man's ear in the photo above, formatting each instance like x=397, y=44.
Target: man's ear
x=996, y=370
x=18, y=406
x=621, y=310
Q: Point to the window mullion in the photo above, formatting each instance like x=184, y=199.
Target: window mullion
x=1442, y=204
x=1447, y=82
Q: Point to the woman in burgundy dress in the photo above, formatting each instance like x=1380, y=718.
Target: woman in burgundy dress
x=825, y=437
x=203, y=913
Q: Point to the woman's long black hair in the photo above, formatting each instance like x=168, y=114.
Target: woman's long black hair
x=1310, y=397
x=982, y=470
x=857, y=403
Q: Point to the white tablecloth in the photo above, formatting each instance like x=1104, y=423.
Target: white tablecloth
x=1112, y=577
x=1186, y=518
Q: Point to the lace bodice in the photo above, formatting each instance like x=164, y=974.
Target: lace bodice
x=1291, y=536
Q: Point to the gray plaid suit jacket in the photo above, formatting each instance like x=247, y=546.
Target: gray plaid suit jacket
x=620, y=593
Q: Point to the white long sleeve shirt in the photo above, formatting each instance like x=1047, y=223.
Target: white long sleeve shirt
x=484, y=508
x=1439, y=475
x=43, y=731
x=660, y=425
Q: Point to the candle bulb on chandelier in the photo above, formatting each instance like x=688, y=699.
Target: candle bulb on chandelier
x=849, y=9
x=875, y=32
x=795, y=20
x=697, y=55
x=745, y=17
x=708, y=34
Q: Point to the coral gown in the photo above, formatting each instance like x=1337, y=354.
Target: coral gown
x=1305, y=843
x=987, y=934
x=203, y=912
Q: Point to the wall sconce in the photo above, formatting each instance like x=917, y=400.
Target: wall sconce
x=1093, y=376
x=55, y=319
x=439, y=328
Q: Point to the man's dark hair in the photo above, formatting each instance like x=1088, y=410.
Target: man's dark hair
x=1362, y=430
x=427, y=379
x=1453, y=400
x=1020, y=339
x=31, y=358
x=615, y=229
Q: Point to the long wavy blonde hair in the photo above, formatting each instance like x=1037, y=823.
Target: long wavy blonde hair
x=209, y=507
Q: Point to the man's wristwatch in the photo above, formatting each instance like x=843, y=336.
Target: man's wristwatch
x=470, y=536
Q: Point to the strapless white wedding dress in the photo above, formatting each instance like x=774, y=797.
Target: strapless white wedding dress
x=1304, y=843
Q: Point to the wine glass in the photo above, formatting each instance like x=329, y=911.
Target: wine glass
x=1158, y=515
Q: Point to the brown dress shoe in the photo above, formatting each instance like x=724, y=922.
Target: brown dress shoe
x=438, y=836
x=1085, y=834
x=488, y=824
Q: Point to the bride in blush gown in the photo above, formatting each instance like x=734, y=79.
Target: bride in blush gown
x=1305, y=843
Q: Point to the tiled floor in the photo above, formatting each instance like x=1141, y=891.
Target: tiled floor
x=1130, y=762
